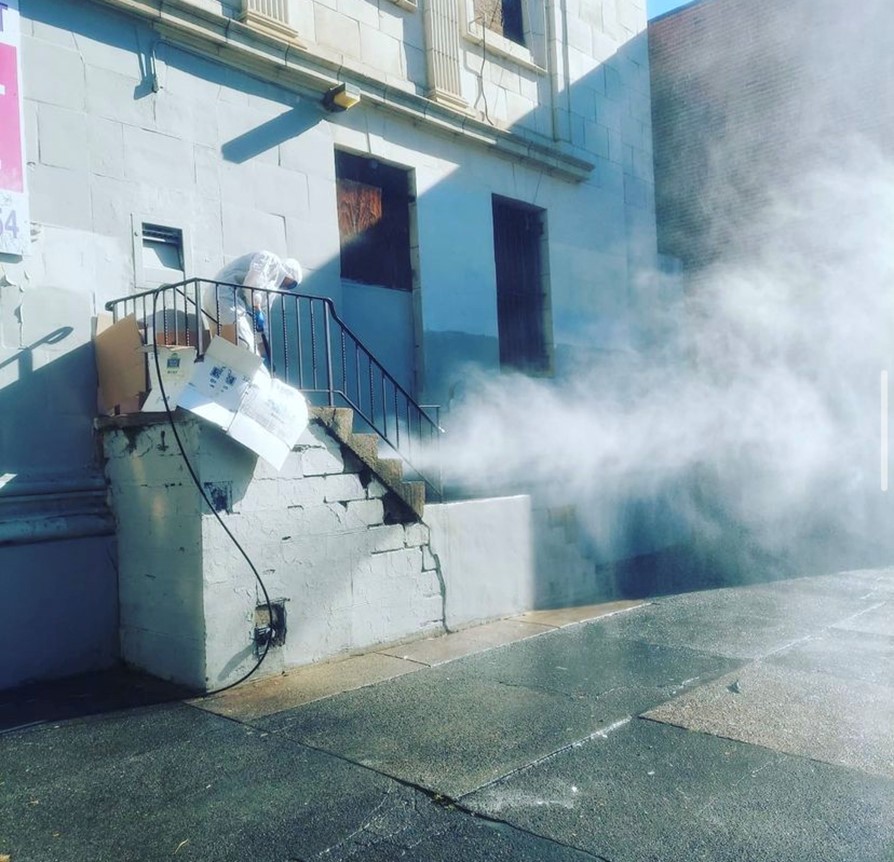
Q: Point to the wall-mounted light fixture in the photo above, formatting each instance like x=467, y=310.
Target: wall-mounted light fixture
x=341, y=98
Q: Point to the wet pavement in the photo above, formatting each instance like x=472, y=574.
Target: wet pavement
x=750, y=723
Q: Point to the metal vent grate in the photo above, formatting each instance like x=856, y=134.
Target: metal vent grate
x=163, y=249
x=160, y=233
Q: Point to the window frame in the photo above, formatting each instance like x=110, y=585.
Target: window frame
x=500, y=46
x=392, y=198
x=147, y=277
x=542, y=365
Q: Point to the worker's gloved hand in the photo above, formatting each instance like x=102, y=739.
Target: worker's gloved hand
x=260, y=320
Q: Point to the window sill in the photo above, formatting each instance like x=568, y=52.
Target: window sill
x=409, y=5
x=500, y=46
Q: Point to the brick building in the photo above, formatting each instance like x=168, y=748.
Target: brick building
x=746, y=95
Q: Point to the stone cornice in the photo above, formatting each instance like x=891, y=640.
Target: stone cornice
x=293, y=66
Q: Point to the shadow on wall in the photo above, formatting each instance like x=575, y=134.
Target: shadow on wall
x=56, y=544
x=48, y=408
x=271, y=134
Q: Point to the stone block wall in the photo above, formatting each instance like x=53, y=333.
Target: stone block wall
x=321, y=533
x=124, y=124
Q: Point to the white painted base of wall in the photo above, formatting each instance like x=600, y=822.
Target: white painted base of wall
x=318, y=532
x=321, y=535
x=486, y=553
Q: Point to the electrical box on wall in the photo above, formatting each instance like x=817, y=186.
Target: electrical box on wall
x=270, y=625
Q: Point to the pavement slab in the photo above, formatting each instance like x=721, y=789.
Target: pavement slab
x=867, y=584
x=458, y=726
x=876, y=620
x=444, y=648
x=161, y=781
x=560, y=617
x=649, y=792
x=814, y=715
x=588, y=661
x=87, y=694
x=447, y=733
x=874, y=584
x=174, y=782
x=303, y=685
x=743, y=622
x=409, y=826
x=846, y=654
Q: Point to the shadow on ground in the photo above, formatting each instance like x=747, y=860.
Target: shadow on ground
x=81, y=696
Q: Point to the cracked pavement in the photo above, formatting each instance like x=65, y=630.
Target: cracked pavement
x=740, y=723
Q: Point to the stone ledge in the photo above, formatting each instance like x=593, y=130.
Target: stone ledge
x=46, y=514
x=292, y=66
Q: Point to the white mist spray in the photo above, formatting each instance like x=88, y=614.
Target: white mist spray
x=757, y=426
x=751, y=420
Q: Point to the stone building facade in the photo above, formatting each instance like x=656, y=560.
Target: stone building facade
x=163, y=139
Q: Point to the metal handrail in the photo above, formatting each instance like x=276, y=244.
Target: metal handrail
x=305, y=344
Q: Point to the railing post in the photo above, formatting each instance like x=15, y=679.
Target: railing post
x=329, y=381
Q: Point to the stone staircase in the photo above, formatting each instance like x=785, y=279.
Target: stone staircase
x=407, y=497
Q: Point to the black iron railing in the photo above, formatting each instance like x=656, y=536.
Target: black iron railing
x=304, y=343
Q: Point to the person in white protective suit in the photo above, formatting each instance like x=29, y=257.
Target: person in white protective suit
x=226, y=305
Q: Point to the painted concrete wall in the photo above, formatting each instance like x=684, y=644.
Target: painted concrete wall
x=486, y=552
x=241, y=164
x=59, y=609
x=317, y=532
x=323, y=536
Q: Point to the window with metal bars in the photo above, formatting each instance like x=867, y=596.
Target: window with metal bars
x=522, y=298
x=373, y=221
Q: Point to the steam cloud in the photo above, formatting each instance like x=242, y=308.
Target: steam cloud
x=752, y=419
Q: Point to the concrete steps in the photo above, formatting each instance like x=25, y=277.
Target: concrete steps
x=408, y=496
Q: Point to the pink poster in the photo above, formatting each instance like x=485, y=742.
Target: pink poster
x=15, y=224
x=11, y=178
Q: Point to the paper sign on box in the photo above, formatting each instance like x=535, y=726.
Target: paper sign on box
x=232, y=389
x=176, y=365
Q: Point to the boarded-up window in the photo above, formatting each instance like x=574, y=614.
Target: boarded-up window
x=373, y=221
x=503, y=17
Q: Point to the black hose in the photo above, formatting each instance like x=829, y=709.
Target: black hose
x=198, y=484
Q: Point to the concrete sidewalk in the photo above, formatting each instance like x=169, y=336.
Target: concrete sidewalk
x=750, y=723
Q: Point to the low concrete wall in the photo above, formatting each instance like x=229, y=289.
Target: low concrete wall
x=328, y=542
x=486, y=555
x=319, y=532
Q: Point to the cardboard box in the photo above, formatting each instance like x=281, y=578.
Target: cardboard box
x=120, y=364
x=176, y=364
